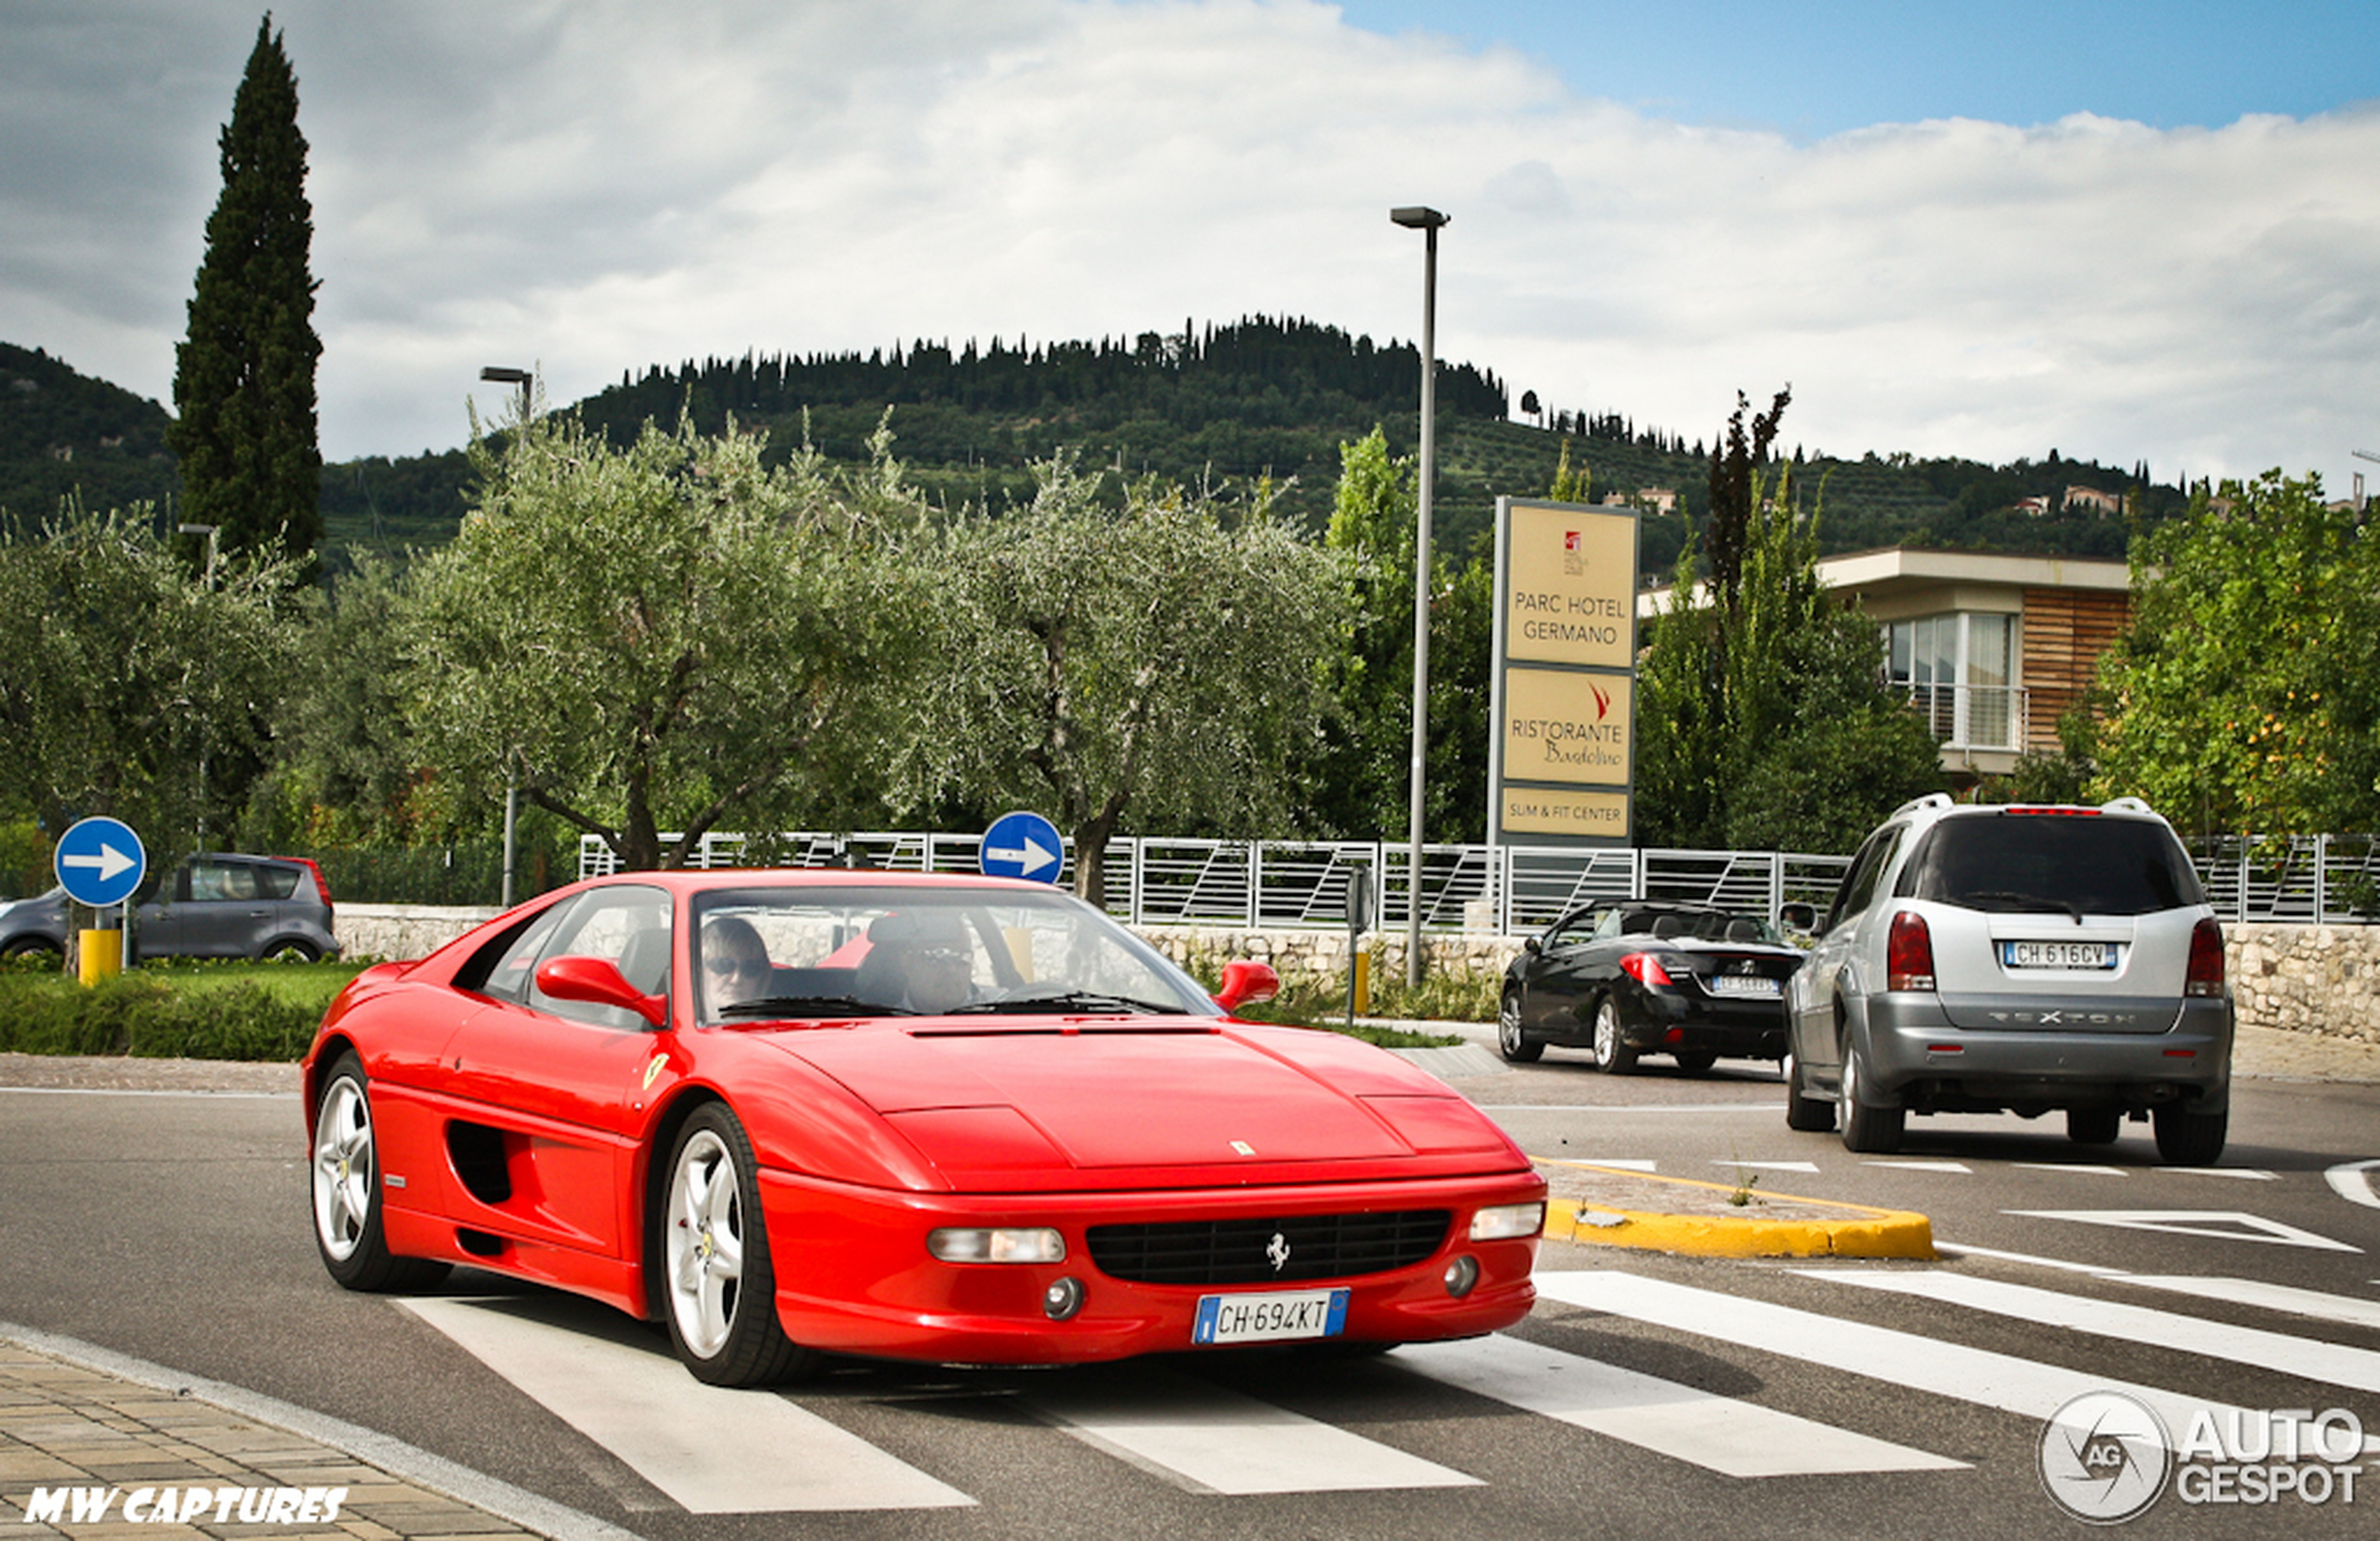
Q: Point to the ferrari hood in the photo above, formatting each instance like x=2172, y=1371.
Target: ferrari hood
x=1092, y=1095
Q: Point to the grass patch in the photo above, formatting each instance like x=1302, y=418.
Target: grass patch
x=191, y=1011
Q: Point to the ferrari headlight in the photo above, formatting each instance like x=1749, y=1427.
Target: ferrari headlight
x=987, y=1244
x=1507, y=1221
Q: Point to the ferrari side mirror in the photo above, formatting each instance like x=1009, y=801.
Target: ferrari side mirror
x=598, y=982
x=1247, y=982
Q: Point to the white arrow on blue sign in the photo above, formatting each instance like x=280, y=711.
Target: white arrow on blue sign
x=99, y=862
x=1021, y=845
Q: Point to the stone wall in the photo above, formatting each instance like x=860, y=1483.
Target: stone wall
x=2320, y=980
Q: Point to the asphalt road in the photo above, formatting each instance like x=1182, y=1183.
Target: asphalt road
x=1648, y=1396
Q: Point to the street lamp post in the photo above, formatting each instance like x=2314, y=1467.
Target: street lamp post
x=526, y=380
x=1427, y=221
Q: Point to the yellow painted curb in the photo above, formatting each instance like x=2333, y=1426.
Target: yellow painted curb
x=1859, y=1232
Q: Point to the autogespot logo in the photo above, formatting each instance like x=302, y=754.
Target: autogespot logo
x=2104, y=1457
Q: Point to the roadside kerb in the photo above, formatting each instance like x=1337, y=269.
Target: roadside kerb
x=1615, y=1207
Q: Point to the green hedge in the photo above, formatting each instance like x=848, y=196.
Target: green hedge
x=152, y=1017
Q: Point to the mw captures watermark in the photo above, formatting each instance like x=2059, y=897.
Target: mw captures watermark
x=2108, y=1456
x=183, y=1505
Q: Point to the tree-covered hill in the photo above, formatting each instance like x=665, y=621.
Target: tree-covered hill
x=61, y=431
x=1260, y=397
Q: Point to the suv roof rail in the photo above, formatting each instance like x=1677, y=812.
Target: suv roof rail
x=1921, y=805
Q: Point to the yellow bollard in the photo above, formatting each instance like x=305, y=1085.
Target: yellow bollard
x=102, y=955
x=1364, y=984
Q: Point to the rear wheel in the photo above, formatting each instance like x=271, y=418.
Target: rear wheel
x=1808, y=1114
x=2188, y=1138
x=1870, y=1131
x=719, y=1286
x=290, y=950
x=1613, y=1056
x=2094, y=1125
x=1517, y=1046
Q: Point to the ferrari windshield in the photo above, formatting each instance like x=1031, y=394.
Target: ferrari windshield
x=838, y=952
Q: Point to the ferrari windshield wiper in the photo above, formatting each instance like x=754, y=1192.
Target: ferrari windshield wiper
x=813, y=1005
x=1090, y=1001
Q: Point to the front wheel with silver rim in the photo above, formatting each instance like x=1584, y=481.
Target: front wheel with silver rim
x=1870, y=1131
x=1613, y=1055
x=345, y=1189
x=1515, y=1045
x=719, y=1286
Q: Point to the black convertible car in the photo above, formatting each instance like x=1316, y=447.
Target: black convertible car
x=1641, y=976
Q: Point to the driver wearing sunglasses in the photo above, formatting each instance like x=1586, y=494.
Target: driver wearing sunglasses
x=735, y=965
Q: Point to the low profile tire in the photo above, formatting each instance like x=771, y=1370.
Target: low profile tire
x=718, y=1289
x=1510, y=1041
x=2188, y=1138
x=1869, y=1131
x=1696, y=1061
x=1803, y=1112
x=1613, y=1056
x=346, y=1189
x=2094, y=1125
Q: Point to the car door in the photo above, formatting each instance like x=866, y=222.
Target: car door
x=539, y=1092
x=1557, y=981
x=224, y=907
x=1833, y=968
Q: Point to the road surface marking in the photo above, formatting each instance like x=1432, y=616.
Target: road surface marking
x=713, y=1450
x=1208, y=1440
x=2223, y=1225
x=1731, y=1437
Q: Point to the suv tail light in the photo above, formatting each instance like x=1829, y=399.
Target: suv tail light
x=1908, y=954
x=1645, y=968
x=2206, y=960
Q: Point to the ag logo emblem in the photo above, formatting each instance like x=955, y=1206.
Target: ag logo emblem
x=2104, y=1457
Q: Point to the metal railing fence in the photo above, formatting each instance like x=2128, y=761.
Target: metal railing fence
x=1511, y=889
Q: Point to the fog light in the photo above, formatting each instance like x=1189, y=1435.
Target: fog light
x=1507, y=1221
x=1461, y=1275
x=1062, y=1299
x=977, y=1244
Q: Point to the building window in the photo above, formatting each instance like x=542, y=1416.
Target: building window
x=1960, y=671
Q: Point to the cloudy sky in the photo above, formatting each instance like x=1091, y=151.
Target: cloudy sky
x=2124, y=229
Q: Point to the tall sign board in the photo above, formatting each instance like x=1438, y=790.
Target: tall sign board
x=1562, y=745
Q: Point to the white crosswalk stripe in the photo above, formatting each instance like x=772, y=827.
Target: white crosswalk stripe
x=718, y=1452
x=2339, y=1364
x=1738, y=1438
x=714, y=1451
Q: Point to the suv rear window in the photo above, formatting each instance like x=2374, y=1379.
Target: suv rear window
x=2058, y=863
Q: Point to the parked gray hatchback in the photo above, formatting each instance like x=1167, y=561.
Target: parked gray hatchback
x=2015, y=959
x=209, y=906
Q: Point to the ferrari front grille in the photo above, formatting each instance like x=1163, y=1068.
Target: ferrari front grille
x=1258, y=1251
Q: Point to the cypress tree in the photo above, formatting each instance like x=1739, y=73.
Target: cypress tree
x=244, y=379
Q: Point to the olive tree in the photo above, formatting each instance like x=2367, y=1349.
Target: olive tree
x=130, y=686
x=655, y=638
x=1157, y=663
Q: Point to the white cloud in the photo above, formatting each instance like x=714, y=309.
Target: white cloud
x=598, y=186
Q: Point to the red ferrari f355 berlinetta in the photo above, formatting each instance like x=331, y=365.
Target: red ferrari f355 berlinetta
x=794, y=1113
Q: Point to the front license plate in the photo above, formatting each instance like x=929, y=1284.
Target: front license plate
x=2058, y=955
x=1758, y=985
x=1269, y=1318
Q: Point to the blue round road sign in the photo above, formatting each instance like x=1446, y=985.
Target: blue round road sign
x=99, y=862
x=1022, y=845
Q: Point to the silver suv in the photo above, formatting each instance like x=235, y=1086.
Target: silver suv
x=2015, y=959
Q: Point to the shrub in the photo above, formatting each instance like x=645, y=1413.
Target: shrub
x=146, y=1016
